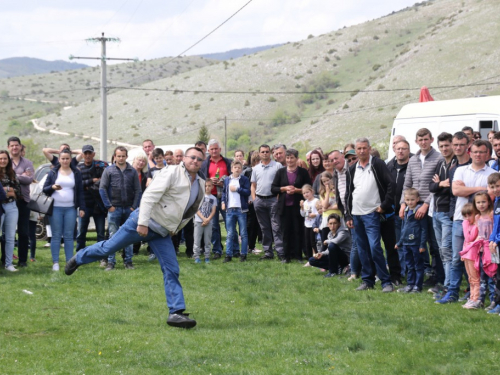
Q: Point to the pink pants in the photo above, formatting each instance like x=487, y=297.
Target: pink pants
x=474, y=279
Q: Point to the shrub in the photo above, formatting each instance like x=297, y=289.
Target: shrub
x=271, y=99
x=345, y=106
x=247, y=103
x=376, y=67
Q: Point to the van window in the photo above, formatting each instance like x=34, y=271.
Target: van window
x=484, y=127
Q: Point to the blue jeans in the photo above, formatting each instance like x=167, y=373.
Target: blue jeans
x=367, y=229
x=443, y=228
x=115, y=219
x=234, y=215
x=355, y=262
x=161, y=246
x=216, y=233
x=398, y=223
x=62, y=223
x=8, y=225
x=457, y=268
x=83, y=226
x=415, y=262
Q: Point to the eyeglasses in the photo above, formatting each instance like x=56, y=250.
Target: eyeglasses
x=351, y=159
x=402, y=149
x=192, y=157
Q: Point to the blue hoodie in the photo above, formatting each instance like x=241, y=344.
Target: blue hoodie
x=413, y=231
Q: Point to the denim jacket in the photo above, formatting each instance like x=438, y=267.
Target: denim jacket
x=413, y=231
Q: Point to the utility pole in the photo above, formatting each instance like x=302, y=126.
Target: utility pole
x=104, y=105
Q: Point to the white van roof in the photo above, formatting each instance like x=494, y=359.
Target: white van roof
x=455, y=107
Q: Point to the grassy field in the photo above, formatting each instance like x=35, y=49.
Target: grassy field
x=253, y=318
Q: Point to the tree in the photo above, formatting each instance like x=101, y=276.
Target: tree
x=203, y=134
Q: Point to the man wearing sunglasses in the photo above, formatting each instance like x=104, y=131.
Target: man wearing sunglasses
x=169, y=202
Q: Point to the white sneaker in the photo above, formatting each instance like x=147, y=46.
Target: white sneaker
x=55, y=267
x=46, y=245
x=11, y=268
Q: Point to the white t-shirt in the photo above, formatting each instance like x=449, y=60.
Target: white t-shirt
x=233, y=197
x=309, y=207
x=66, y=196
x=365, y=197
x=470, y=178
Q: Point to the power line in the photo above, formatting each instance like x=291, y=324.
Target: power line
x=195, y=44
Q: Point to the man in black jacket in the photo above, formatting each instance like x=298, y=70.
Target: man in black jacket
x=397, y=167
x=120, y=192
x=92, y=171
x=442, y=218
x=364, y=209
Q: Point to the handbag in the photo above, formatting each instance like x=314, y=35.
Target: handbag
x=41, y=203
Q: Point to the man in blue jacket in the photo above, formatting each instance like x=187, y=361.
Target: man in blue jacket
x=120, y=192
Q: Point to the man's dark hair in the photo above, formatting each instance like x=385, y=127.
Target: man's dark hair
x=334, y=216
x=405, y=141
x=423, y=132
x=496, y=136
x=158, y=152
x=279, y=145
x=195, y=148
x=148, y=140
x=264, y=146
x=467, y=129
x=445, y=137
x=481, y=143
x=120, y=148
x=461, y=135
x=239, y=150
x=13, y=139
x=200, y=143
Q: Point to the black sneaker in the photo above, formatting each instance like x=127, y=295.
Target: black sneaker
x=110, y=267
x=22, y=264
x=129, y=266
x=71, y=266
x=415, y=290
x=180, y=320
x=227, y=259
x=236, y=254
x=216, y=256
x=438, y=288
x=243, y=258
x=364, y=286
x=330, y=274
x=389, y=288
x=406, y=289
x=267, y=257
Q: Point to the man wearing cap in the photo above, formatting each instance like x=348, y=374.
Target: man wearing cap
x=92, y=171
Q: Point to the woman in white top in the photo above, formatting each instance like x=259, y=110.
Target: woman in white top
x=64, y=185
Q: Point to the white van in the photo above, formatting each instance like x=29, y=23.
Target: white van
x=482, y=114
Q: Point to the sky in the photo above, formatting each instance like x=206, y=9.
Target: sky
x=56, y=29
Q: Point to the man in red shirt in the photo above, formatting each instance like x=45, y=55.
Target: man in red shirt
x=216, y=167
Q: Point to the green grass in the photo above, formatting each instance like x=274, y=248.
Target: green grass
x=253, y=318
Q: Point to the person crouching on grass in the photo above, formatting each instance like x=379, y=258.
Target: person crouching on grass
x=413, y=241
x=234, y=201
x=338, y=243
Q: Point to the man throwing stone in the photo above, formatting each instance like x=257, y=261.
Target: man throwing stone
x=169, y=202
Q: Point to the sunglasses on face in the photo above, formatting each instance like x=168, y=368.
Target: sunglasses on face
x=192, y=157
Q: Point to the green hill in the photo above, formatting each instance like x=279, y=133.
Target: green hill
x=22, y=66
x=435, y=43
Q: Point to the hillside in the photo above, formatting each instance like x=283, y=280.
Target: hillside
x=437, y=43
x=22, y=66
x=235, y=53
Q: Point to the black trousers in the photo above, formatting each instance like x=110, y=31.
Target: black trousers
x=253, y=227
x=388, y=233
x=189, y=237
x=335, y=261
x=310, y=242
x=23, y=223
x=291, y=228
